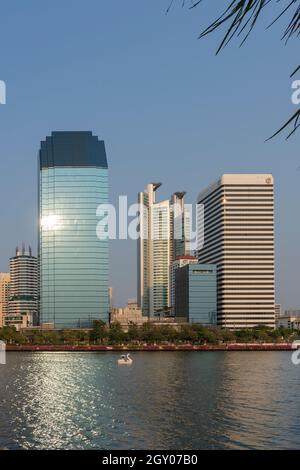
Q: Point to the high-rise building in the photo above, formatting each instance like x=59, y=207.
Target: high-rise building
x=4, y=296
x=73, y=261
x=164, y=234
x=154, y=252
x=239, y=239
x=180, y=226
x=196, y=293
x=23, y=288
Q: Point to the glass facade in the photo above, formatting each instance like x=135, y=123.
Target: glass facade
x=73, y=262
x=196, y=293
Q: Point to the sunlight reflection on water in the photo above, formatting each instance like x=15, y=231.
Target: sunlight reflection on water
x=165, y=400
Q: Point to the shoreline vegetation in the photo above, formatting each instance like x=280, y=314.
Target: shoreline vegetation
x=149, y=337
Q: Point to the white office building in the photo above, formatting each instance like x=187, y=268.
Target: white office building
x=239, y=239
x=23, y=288
x=164, y=229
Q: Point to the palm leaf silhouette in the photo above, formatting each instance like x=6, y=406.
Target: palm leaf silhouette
x=241, y=16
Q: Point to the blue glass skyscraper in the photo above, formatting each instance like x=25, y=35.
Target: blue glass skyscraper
x=73, y=262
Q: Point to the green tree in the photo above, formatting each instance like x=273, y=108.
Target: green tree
x=10, y=335
x=200, y=331
x=99, y=332
x=51, y=337
x=211, y=336
x=133, y=332
x=168, y=333
x=115, y=334
x=69, y=337
x=187, y=333
x=37, y=338
x=227, y=335
x=148, y=332
x=83, y=336
x=287, y=333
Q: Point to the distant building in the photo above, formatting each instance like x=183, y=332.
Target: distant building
x=174, y=322
x=132, y=314
x=4, y=296
x=22, y=305
x=128, y=315
x=20, y=322
x=278, y=312
x=292, y=312
x=239, y=239
x=180, y=226
x=291, y=319
x=196, y=293
x=164, y=234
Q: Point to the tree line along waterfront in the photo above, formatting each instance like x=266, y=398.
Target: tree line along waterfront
x=104, y=334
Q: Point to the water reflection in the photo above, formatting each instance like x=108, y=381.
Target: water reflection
x=184, y=400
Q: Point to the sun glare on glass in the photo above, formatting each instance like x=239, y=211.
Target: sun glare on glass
x=50, y=222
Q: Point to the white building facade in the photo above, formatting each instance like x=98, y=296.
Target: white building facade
x=239, y=239
x=290, y=319
x=23, y=287
x=164, y=228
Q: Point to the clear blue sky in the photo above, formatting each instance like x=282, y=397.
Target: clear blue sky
x=167, y=108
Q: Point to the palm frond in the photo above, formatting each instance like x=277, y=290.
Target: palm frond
x=295, y=71
x=294, y=119
x=294, y=25
x=241, y=17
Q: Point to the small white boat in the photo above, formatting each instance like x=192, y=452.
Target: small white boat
x=125, y=360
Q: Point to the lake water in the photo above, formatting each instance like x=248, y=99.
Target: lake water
x=165, y=400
